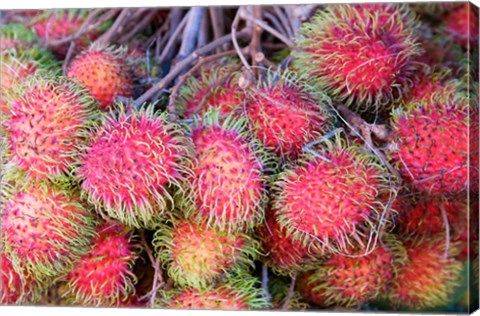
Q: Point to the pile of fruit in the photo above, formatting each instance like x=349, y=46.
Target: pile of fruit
x=328, y=164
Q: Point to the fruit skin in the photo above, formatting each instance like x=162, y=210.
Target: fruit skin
x=47, y=123
x=103, y=277
x=16, y=38
x=227, y=188
x=54, y=25
x=360, y=54
x=15, y=286
x=217, y=88
x=430, y=143
x=196, y=255
x=45, y=229
x=284, y=253
x=103, y=71
x=240, y=292
x=286, y=112
x=426, y=279
x=135, y=158
x=310, y=197
x=352, y=280
x=462, y=25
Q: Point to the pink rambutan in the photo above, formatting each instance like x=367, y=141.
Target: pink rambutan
x=15, y=286
x=333, y=198
x=428, y=276
x=227, y=188
x=462, y=25
x=104, y=277
x=131, y=163
x=103, y=71
x=196, y=255
x=54, y=25
x=45, y=229
x=349, y=281
x=241, y=292
x=430, y=143
x=47, y=120
x=283, y=252
x=285, y=112
x=361, y=54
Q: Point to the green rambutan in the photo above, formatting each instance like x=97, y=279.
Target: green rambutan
x=227, y=189
x=47, y=121
x=429, y=275
x=104, y=72
x=430, y=142
x=45, y=229
x=349, y=281
x=104, y=277
x=333, y=198
x=196, y=255
x=360, y=54
x=241, y=292
x=285, y=112
x=133, y=160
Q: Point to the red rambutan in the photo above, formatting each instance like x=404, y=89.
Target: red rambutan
x=333, y=198
x=103, y=71
x=361, y=54
x=349, y=281
x=462, y=25
x=45, y=229
x=428, y=277
x=430, y=143
x=47, y=120
x=104, y=277
x=285, y=113
x=195, y=255
x=227, y=188
x=132, y=161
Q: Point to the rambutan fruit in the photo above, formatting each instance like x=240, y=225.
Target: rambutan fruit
x=133, y=160
x=285, y=113
x=15, y=286
x=45, y=229
x=216, y=88
x=104, y=73
x=16, y=38
x=433, y=10
x=333, y=198
x=241, y=292
x=428, y=276
x=227, y=188
x=427, y=82
x=462, y=25
x=349, y=281
x=283, y=252
x=196, y=255
x=104, y=277
x=48, y=117
x=360, y=54
x=54, y=25
x=430, y=143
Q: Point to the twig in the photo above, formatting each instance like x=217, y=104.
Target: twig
x=118, y=24
x=286, y=25
x=218, y=24
x=255, y=40
x=190, y=35
x=138, y=27
x=244, y=34
x=447, y=229
x=157, y=276
x=203, y=36
x=66, y=62
x=290, y=291
x=173, y=39
x=269, y=29
x=265, y=283
x=235, y=23
x=276, y=23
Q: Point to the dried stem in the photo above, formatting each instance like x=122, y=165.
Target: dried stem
x=290, y=292
x=157, y=277
x=173, y=39
x=269, y=29
x=283, y=18
x=218, y=24
x=255, y=40
x=235, y=23
x=265, y=283
x=190, y=34
x=116, y=27
x=138, y=27
x=447, y=230
x=165, y=81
